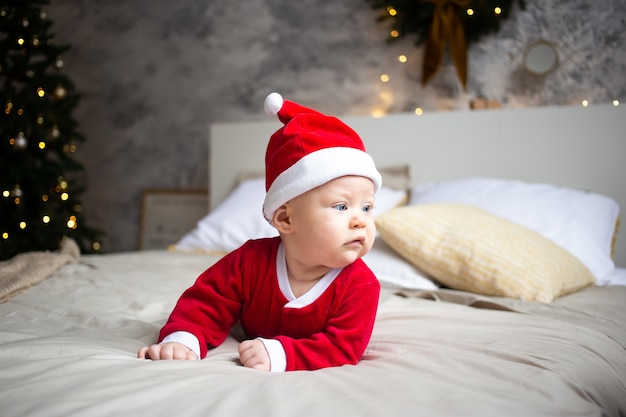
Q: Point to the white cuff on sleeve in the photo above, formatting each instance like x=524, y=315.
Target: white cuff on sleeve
x=187, y=339
x=278, y=359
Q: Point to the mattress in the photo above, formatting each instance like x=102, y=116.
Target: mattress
x=68, y=348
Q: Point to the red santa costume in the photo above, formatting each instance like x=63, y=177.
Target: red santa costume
x=329, y=325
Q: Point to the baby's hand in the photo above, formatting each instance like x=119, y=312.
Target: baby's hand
x=252, y=354
x=169, y=350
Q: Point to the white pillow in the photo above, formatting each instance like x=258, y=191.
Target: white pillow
x=239, y=218
x=388, y=198
x=236, y=220
x=393, y=269
x=581, y=222
x=617, y=277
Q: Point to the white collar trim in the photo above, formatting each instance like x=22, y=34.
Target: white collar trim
x=308, y=297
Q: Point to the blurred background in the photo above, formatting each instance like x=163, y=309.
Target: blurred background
x=154, y=74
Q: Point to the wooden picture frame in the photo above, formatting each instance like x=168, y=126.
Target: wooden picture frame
x=168, y=214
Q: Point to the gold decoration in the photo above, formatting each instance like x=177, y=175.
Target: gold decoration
x=440, y=23
x=446, y=28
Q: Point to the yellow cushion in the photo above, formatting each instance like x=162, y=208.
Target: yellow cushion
x=614, y=239
x=467, y=248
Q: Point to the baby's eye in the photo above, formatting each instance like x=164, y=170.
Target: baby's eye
x=367, y=208
x=341, y=207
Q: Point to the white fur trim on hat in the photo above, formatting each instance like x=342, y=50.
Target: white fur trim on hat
x=315, y=169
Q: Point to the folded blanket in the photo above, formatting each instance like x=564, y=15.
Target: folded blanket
x=30, y=268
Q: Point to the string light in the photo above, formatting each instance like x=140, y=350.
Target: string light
x=384, y=78
x=71, y=223
x=45, y=219
x=497, y=10
x=616, y=103
x=585, y=103
x=41, y=92
x=470, y=12
x=419, y=111
x=402, y=58
x=386, y=96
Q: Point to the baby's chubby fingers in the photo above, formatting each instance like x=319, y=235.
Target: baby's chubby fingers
x=167, y=351
x=191, y=356
x=153, y=352
x=143, y=353
x=252, y=354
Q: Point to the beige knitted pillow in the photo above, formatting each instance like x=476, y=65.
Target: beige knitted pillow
x=467, y=248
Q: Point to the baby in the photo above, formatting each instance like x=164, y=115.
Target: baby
x=305, y=299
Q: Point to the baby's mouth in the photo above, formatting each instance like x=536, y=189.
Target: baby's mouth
x=356, y=242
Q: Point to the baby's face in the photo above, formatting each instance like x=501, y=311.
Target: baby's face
x=334, y=223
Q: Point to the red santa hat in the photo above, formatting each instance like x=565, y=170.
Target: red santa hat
x=308, y=151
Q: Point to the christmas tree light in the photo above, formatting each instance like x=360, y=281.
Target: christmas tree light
x=38, y=195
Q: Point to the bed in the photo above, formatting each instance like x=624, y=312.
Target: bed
x=498, y=251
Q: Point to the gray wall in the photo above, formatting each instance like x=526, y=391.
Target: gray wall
x=154, y=74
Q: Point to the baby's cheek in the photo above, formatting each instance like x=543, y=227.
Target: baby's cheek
x=371, y=236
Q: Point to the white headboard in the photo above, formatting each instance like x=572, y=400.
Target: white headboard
x=578, y=147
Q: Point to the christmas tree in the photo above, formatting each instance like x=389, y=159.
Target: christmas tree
x=39, y=203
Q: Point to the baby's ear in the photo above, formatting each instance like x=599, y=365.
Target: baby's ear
x=281, y=220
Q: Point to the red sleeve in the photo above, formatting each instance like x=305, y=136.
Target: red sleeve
x=211, y=306
x=348, y=329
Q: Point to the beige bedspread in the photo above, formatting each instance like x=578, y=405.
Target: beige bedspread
x=67, y=348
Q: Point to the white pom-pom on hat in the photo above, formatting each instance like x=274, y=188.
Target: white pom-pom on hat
x=273, y=103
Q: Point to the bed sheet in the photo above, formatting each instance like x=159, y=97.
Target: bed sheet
x=68, y=345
